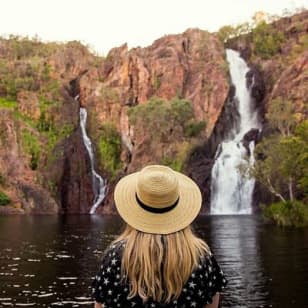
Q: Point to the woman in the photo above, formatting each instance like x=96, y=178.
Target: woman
x=158, y=261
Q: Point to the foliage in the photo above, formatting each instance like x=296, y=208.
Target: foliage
x=109, y=148
x=266, y=40
x=4, y=199
x=288, y=213
x=177, y=160
x=45, y=121
x=2, y=180
x=56, y=134
x=167, y=127
x=109, y=94
x=165, y=121
x=281, y=116
x=282, y=164
x=227, y=32
x=173, y=162
x=6, y=103
x=193, y=129
x=32, y=147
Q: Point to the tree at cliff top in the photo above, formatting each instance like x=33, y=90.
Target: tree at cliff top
x=168, y=123
x=267, y=40
x=282, y=165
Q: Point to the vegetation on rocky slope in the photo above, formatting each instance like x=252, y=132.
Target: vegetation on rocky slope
x=134, y=118
x=279, y=51
x=170, y=126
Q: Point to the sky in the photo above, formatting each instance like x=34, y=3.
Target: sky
x=104, y=24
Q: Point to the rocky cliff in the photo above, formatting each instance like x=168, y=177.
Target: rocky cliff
x=43, y=157
x=44, y=166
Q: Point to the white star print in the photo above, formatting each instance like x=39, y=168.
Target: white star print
x=113, y=261
x=106, y=281
x=108, y=269
x=193, y=304
x=200, y=292
x=109, y=292
x=192, y=285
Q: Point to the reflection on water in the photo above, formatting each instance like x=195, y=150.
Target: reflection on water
x=49, y=261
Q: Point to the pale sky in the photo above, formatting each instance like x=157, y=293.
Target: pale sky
x=103, y=24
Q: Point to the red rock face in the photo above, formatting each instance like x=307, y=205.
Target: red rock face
x=190, y=65
x=292, y=84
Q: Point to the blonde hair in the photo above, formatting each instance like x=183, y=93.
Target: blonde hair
x=157, y=266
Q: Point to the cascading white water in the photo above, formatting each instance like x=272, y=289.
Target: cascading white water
x=98, y=183
x=231, y=193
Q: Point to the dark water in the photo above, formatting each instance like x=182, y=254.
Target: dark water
x=49, y=261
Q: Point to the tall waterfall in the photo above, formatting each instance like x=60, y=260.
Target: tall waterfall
x=231, y=193
x=98, y=183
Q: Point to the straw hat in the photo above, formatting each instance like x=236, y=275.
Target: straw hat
x=157, y=200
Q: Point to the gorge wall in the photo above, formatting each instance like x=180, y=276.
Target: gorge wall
x=44, y=167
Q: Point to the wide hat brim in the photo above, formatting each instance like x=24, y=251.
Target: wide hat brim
x=178, y=218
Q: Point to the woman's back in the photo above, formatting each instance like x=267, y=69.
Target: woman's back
x=112, y=289
x=157, y=261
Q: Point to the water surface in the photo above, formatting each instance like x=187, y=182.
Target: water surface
x=49, y=261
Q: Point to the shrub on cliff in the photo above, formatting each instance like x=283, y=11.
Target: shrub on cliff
x=282, y=167
x=165, y=121
x=4, y=199
x=109, y=148
x=31, y=146
x=166, y=127
x=287, y=214
x=266, y=40
x=282, y=164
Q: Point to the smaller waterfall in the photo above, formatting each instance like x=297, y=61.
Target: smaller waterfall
x=98, y=183
x=231, y=193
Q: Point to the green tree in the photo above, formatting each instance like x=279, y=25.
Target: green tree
x=226, y=32
x=281, y=116
x=165, y=121
x=266, y=40
x=109, y=148
x=4, y=199
x=281, y=166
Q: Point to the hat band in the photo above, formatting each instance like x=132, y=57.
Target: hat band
x=155, y=209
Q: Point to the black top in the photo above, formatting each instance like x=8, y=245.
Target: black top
x=107, y=288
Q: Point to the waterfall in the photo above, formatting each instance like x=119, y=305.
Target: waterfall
x=98, y=183
x=231, y=193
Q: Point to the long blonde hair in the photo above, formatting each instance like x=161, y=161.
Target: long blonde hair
x=157, y=266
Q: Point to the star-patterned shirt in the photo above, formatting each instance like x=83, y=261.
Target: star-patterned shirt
x=109, y=289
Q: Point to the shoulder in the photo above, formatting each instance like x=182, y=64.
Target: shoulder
x=113, y=252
